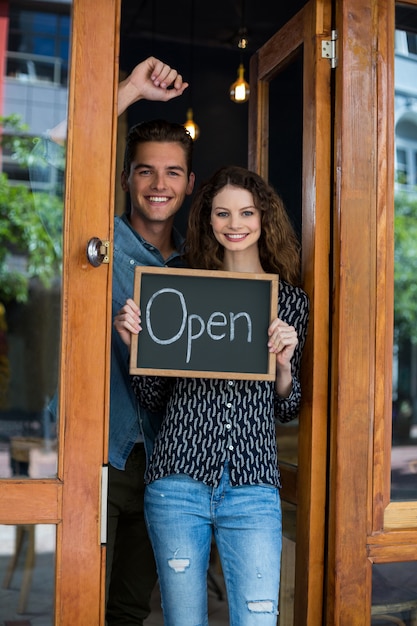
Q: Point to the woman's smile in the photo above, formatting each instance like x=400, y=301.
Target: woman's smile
x=235, y=237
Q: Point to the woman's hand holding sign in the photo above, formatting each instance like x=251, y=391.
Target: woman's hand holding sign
x=282, y=342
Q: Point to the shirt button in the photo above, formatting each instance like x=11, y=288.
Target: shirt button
x=132, y=262
x=228, y=426
x=231, y=382
x=229, y=404
x=231, y=448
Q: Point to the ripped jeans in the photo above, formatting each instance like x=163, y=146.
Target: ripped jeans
x=182, y=514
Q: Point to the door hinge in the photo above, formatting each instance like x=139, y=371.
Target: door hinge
x=103, y=504
x=329, y=49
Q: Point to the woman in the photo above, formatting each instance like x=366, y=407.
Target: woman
x=214, y=467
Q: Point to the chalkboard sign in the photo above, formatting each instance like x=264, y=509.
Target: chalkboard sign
x=201, y=323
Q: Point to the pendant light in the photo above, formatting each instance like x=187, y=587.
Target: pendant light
x=189, y=124
x=239, y=90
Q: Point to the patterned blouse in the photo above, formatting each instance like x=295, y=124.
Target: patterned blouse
x=210, y=421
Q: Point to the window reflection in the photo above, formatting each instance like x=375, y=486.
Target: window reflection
x=27, y=572
x=394, y=593
x=404, y=414
x=31, y=209
x=38, y=46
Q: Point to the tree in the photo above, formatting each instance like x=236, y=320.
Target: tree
x=405, y=266
x=30, y=221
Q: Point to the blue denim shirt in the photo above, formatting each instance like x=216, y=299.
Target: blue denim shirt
x=129, y=422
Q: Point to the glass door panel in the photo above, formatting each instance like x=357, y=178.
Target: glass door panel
x=47, y=479
x=289, y=143
x=27, y=573
x=35, y=89
x=31, y=212
x=394, y=593
x=285, y=158
x=285, y=175
x=404, y=413
x=287, y=586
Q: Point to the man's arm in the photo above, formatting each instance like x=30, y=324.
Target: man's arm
x=151, y=79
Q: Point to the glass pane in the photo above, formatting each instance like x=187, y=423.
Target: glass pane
x=286, y=126
x=394, y=593
x=404, y=431
x=31, y=208
x=287, y=442
x=285, y=174
x=27, y=572
x=287, y=586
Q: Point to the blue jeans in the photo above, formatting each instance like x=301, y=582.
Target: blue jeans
x=182, y=514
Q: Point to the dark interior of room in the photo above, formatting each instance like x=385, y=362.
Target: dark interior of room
x=201, y=40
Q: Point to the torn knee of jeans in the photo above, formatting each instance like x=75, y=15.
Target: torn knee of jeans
x=261, y=606
x=179, y=565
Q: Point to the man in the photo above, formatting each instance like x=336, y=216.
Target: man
x=157, y=175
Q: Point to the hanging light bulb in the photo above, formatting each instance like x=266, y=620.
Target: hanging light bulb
x=242, y=41
x=239, y=91
x=191, y=126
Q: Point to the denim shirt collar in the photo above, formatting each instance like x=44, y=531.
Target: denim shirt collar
x=176, y=236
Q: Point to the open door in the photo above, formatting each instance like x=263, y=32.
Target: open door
x=290, y=144
x=70, y=499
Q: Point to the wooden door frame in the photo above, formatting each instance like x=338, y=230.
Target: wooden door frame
x=364, y=527
x=353, y=365
x=387, y=516
x=305, y=485
x=85, y=372
x=72, y=501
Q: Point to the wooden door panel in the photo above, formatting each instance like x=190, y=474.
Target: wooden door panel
x=364, y=527
x=73, y=499
x=305, y=484
x=41, y=502
x=87, y=308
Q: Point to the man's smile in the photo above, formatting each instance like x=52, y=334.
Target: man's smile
x=158, y=198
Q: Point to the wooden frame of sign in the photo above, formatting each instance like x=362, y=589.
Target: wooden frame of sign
x=204, y=324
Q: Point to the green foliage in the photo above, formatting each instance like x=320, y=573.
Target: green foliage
x=30, y=223
x=405, y=267
x=15, y=138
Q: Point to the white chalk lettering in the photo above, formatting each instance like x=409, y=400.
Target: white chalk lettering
x=191, y=337
x=212, y=323
x=164, y=342
x=233, y=318
x=195, y=324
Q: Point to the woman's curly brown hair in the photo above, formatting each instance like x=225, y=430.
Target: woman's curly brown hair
x=279, y=248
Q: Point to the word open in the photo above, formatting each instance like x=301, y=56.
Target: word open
x=195, y=326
